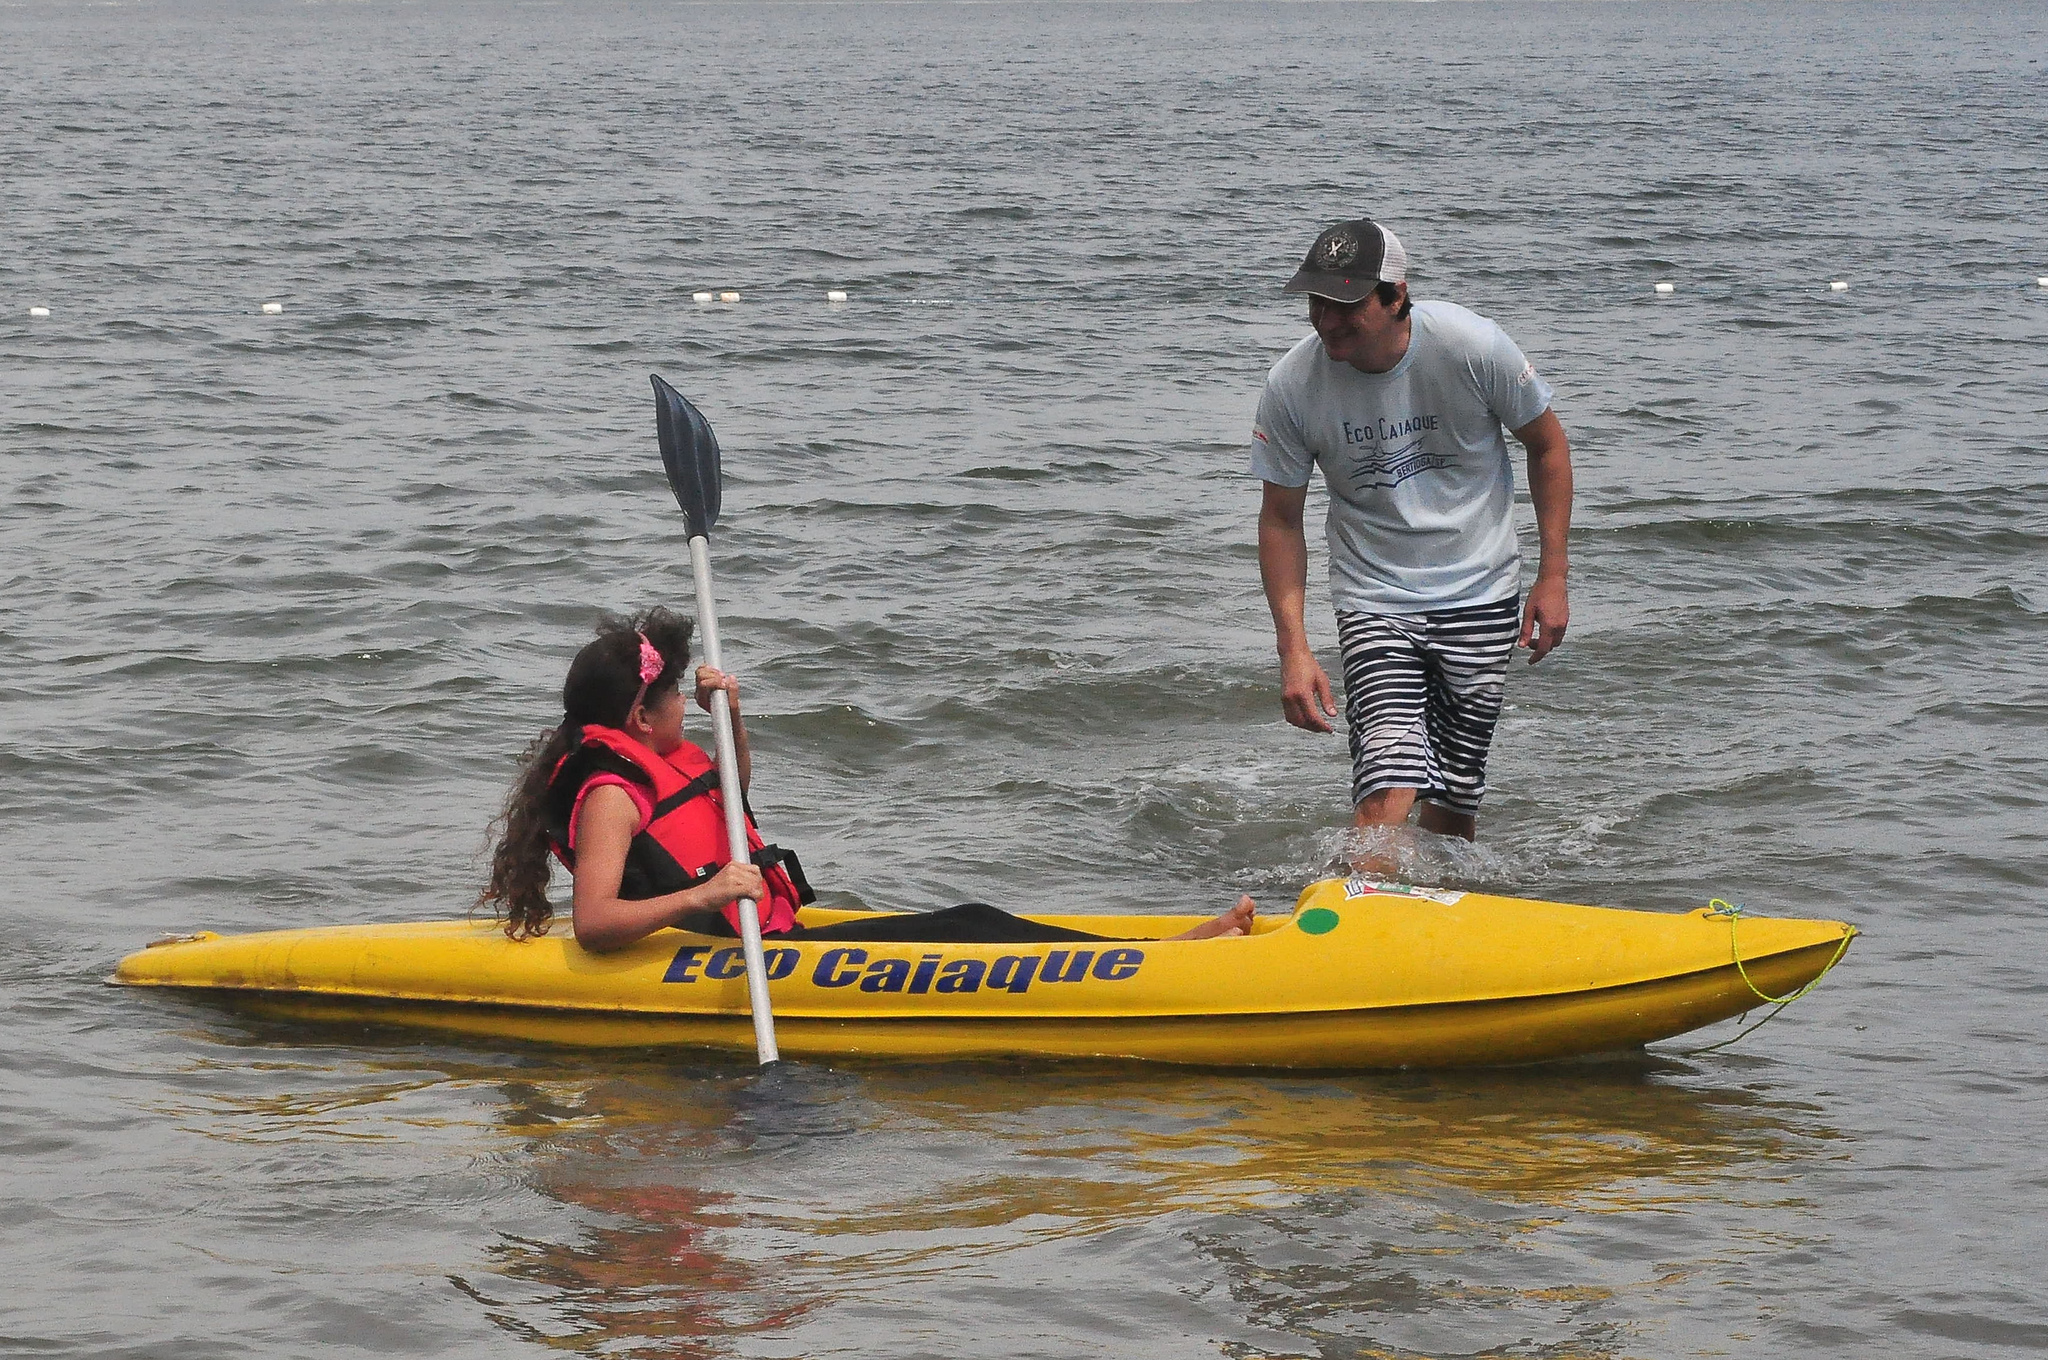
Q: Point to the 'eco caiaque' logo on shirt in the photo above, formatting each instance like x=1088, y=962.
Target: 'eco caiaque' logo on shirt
x=1376, y=462
x=1381, y=430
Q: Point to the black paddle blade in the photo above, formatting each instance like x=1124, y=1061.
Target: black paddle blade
x=689, y=453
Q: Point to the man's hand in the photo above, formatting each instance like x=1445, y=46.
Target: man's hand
x=1305, y=693
x=1544, y=616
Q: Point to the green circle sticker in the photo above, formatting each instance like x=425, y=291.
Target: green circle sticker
x=1318, y=920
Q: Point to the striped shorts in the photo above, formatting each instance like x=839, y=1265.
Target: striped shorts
x=1422, y=693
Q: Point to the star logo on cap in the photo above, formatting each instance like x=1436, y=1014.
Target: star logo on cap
x=1337, y=250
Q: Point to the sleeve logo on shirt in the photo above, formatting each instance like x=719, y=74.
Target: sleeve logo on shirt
x=1259, y=435
x=1528, y=375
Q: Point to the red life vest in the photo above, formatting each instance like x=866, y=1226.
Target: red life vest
x=684, y=843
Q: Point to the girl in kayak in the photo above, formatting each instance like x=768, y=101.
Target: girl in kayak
x=634, y=810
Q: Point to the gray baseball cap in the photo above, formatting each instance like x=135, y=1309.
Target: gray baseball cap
x=1349, y=260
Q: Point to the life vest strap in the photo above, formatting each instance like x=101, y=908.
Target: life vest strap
x=767, y=857
x=770, y=855
x=696, y=788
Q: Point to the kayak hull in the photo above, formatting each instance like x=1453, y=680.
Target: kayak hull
x=1360, y=976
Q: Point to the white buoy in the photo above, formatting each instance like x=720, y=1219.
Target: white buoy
x=728, y=297
x=273, y=309
x=835, y=295
x=1666, y=288
x=39, y=312
x=2042, y=281
x=1838, y=287
x=701, y=297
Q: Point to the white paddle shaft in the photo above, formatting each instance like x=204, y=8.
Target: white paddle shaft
x=735, y=807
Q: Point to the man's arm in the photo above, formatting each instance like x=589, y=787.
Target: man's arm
x=1283, y=568
x=1548, y=608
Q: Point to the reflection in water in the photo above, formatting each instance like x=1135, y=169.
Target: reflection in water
x=696, y=1209
x=650, y=1285
x=1315, y=1212
x=643, y=1148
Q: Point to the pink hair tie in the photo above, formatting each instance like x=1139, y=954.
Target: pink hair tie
x=650, y=670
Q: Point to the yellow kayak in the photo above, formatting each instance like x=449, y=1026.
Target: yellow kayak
x=1359, y=975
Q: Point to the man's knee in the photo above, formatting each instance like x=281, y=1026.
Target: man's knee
x=1386, y=807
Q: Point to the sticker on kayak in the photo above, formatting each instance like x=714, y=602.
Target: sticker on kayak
x=934, y=972
x=1358, y=885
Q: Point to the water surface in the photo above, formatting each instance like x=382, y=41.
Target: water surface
x=286, y=594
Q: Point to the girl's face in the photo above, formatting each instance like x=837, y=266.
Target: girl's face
x=657, y=723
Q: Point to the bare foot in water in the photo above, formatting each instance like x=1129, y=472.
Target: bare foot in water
x=1236, y=921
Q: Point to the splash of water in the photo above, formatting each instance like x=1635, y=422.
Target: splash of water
x=1412, y=855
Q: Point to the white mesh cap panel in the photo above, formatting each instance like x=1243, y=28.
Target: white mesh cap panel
x=1394, y=260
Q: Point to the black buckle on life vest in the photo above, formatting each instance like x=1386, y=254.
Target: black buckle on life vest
x=767, y=857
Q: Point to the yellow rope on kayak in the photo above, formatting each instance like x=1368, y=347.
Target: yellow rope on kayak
x=1733, y=911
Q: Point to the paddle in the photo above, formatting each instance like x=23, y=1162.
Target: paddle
x=689, y=453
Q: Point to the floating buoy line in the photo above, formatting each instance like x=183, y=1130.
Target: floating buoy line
x=1714, y=290
x=1722, y=289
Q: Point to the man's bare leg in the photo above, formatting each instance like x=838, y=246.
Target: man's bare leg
x=1383, y=808
x=1439, y=820
x=1236, y=921
x=1386, y=807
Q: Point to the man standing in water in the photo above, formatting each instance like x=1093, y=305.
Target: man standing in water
x=1402, y=406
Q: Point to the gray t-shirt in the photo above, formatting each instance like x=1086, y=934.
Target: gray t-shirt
x=1422, y=493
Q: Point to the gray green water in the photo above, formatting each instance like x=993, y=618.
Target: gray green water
x=285, y=594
